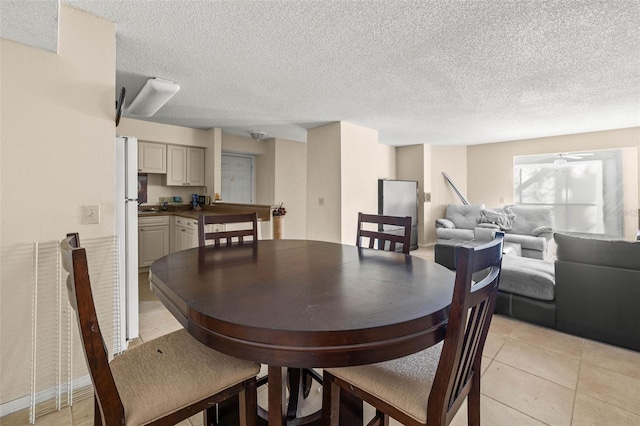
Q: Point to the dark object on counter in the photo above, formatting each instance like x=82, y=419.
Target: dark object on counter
x=142, y=188
x=201, y=199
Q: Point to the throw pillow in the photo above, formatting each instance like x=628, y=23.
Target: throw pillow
x=503, y=217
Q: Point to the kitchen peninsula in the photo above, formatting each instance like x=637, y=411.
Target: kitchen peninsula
x=174, y=228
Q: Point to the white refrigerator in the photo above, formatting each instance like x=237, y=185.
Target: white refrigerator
x=127, y=231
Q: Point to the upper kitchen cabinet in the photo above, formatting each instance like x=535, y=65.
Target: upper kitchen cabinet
x=152, y=158
x=185, y=166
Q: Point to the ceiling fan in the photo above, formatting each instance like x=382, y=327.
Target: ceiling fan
x=561, y=158
x=573, y=155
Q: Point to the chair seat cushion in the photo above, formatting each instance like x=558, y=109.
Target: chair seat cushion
x=404, y=383
x=172, y=372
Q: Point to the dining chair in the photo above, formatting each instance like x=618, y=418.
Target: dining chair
x=428, y=387
x=227, y=237
x=383, y=237
x=161, y=382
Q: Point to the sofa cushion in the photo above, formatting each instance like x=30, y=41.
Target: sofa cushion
x=529, y=218
x=445, y=223
x=528, y=277
x=612, y=253
x=527, y=241
x=464, y=216
x=454, y=234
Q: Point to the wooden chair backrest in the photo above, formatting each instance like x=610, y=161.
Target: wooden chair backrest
x=228, y=236
x=383, y=237
x=74, y=261
x=469, y=319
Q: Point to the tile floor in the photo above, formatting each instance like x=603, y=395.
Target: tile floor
x=531, y=376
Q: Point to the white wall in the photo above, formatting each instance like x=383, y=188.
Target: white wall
x=57, y=137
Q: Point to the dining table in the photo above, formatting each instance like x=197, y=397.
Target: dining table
x=305, y=304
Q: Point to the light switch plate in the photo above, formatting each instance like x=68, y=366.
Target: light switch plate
x=91, y=215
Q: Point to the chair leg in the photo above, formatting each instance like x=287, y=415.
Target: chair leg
x=330, y=401
x=97, y=417
x=210, y=416
x=473, y=401
x=249, y=403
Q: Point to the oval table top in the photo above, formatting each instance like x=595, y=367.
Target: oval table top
x=302, y=303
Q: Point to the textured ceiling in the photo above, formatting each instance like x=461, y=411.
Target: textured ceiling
x=438, y=72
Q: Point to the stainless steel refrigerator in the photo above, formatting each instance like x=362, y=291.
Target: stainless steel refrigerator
x=399, y=198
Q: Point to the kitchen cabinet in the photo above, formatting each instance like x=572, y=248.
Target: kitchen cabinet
x=152, y=158
x=153, y=239
x=185, y=166
x=185, y=234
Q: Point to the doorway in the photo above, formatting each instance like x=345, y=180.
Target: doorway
x=237, y=178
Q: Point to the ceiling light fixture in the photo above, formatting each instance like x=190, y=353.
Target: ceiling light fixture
x=257, y=135
x=154, y=94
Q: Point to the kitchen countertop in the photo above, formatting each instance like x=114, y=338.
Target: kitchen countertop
x=221, y=208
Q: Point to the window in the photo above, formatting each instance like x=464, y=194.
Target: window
x=585, y=189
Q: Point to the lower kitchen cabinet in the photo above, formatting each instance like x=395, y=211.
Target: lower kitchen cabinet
x=153, y=239
x=160, y=235
x=185, y=234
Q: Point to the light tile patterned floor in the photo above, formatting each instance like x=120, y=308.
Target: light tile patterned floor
x=531, y=376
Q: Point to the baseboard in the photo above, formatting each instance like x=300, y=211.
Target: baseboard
x=42, y=396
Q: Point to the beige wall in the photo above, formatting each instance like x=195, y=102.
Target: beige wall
x=451, y=160
x=291, y=186
x=413, y=164
x=490, y=166
x=242, y=145
x=58, y=153
x=344, y=163
x=360, y=154
x=323, y=183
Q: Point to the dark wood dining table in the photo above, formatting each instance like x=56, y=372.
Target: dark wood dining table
x=305, y=304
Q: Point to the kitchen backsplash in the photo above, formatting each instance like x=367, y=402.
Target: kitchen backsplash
x=156, y=190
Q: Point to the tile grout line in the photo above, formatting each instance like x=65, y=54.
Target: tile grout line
x=515, y=409
x=575, y=393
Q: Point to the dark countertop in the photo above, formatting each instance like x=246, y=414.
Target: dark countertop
x=185, y=210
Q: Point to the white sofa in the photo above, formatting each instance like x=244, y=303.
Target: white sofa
x=529, y=226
